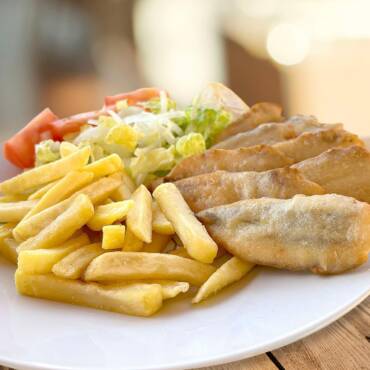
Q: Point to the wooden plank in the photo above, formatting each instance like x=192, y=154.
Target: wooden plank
x=261, y=362
x=343, y=345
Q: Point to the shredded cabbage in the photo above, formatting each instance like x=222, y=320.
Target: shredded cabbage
x=190, y=144
x=47, y=151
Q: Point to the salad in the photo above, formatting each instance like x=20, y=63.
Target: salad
x=146, y=128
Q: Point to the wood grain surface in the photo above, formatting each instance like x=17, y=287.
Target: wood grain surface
x=343, y=345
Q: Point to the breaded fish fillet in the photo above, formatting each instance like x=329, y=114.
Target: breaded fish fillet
x=267, y=133
x=343, y=171
x=256, y=158
x=326, y=234
x=307, y=123
x=258, y=114
x=311, y=144
x=221, y=187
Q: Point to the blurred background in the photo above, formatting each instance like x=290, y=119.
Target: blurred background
x=311, y=56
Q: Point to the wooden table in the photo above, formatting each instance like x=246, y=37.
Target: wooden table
x=344, y=345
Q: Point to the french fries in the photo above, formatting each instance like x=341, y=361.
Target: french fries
x=65, y=187
x=15, y=211
x=98, y=191
x=125, y=190
x=46, y=173
x=74, y=264
x=231, y=271
x=133, y=299
x=8, y=246
x=42, y=191
x=192, y=233
x=109, y=213
x=131, y=242
x=160, y=223
x=171, y=289
x=66, y=148
x=63, y=227
x=157, y=244
x=139, y=218
x=180, y=251
x=113, y=266
x=13, y=198
x=113, y=236
x=41, y=261
x=105, y=166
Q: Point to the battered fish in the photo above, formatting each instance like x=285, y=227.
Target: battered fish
x=343, y=171
x=221, y=187
x=258, y=114
x=257, y=158
x=307, y=123
x=311, y=144
x=326, y=234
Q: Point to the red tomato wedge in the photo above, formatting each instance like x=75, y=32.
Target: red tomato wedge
x=20, y=149
x=133, y=97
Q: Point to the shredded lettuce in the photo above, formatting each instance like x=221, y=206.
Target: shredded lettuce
x=190, y=144
x=47, y=151
x=159, y=105
x=124, y=135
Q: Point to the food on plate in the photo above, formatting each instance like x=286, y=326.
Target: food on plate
x=267, y=133
x=229, y=272
x=120, y=266
x=256, y=158
x=311, y=144
x=258, y=114
x=221, y=187
x=343, y=171
x=326, y=234
x=192, y=233
x=75, y=263
x=103, y=216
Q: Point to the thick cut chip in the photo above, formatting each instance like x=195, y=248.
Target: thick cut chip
x=63, y=227
x=139, y=217
x=157, y=244
x=311, y=144
x=344, y=171
x=74, y=264
x=230, y=272
x=160, y=223
x=13, y=198
x=38, y=194
x=113, y=236
x=15, y=211
x=180, y=251
x=221, y=187
x=132, y=299
x=125, y=190
x=41, y=261
x=131, y=242
x=258, y=114
x=8, y=246
x=326, y=234
x=256, y=158
x=109, y=213
x=64, y=188
x=98, y=192
x=192, y=233
x=115, y=266
x=66, y=148
x=171, y=289
x=46, y=173
x=105, y=166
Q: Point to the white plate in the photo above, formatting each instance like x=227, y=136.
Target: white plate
x=265, y=311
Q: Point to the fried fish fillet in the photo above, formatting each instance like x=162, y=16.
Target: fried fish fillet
x=311, y=144
x=326, y=234
x=307, y=123
x=267, y=133
x=221, y=187
x=343, y=171
x=257, y=158
x=258, y=114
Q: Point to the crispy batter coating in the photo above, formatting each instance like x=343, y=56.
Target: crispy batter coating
x=258, y=114
x=256, y=158
x=343, y=171
x=326, y=234
x=221, y=187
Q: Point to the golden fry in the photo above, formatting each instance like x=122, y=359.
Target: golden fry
x=46, y=173
x=180, y=251
x=113, y=236
x=74, y=264
x=139, y=218
x=63, y=227
x=125, y=190
x=41, y=261
x=105, y=166
x=130, y=299
x=8, y=246
x=160, y=223
x=131, y=242
x=14, y=212
x=157, y=244
x=66, y=148
x=230, y=272
x=114, y=266
x=38, y=194
x=192, y=233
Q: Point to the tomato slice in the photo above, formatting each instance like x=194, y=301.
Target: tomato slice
x=133, y=97
x=20, y=149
